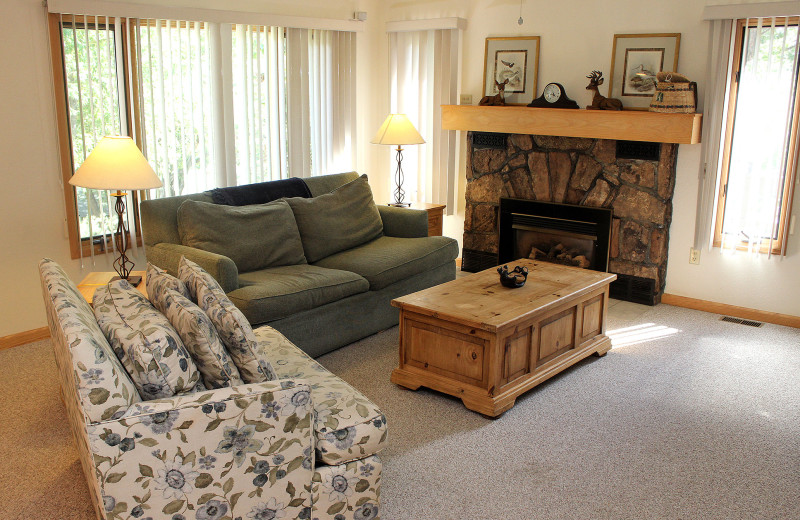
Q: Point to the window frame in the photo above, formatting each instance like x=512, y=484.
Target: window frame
x=792, y=153
x=81, y=247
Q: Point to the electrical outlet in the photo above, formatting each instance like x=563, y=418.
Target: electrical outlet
x=694, y=256
x=465, y=99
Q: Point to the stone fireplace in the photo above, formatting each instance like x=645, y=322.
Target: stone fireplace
x=595, y=173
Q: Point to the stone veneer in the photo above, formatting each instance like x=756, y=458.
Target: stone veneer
x=578, y=171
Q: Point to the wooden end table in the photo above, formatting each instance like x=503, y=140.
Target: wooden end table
x=435, y=216
x=95, y=279
x=487, y=344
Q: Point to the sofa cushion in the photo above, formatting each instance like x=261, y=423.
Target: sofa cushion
x=157, y=280
x=389, y=259
x=143, y=339
x=254, y=237
x=84, y=356
x=232, y=326
x=348, y=426
x=337, y=221
x=278, y=292
x=200, y=338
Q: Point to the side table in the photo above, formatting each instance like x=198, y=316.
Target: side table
x=95, y=279
x=435, y=216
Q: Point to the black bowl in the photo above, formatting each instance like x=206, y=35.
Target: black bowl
x=515, y=278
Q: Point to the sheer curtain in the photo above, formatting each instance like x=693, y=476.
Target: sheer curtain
x=423, y=70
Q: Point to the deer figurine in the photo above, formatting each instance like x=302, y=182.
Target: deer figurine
x=497, y=100
x=600, y=102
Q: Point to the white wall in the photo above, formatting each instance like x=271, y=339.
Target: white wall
x=31, y=200
x=577, y=37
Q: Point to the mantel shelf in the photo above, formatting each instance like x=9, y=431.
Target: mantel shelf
x=628, y=125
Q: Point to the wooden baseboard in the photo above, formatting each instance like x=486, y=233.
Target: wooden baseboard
x=731, y=310
x=21, y=338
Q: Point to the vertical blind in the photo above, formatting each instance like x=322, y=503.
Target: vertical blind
x=423, y=75
x=212, y=104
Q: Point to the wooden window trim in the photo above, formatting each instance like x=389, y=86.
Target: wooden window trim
x=81, y=247
x=791, y=162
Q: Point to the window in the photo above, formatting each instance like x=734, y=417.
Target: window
x=209, y=104
x=759, y=150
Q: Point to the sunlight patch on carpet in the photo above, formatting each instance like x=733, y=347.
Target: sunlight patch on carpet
x=639, y=334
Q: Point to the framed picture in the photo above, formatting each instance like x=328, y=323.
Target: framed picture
x=515, y=59
x=635, y=61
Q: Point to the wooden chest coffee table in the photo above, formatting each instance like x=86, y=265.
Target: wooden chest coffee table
x=487, y=344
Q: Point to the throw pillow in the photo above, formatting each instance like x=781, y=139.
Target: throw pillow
x=147, y=345
x=200, y=338
x=157, y=281
x=254, y=237
x=342, y=219
x=233, y=328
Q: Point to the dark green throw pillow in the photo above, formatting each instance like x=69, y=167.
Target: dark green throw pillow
x=254, y=237
x=337, y=221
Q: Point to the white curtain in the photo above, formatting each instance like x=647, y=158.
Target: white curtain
x=423, y=68
x=321, y=101
x=259, y=93
x=715, y=108
x=176, y=95
x=331, y=100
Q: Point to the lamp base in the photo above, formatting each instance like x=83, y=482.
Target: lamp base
x=133, y=280
x=399, y=204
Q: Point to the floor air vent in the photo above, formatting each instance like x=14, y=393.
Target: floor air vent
x=740, y=321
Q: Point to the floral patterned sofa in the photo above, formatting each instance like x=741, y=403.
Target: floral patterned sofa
x=302, y=446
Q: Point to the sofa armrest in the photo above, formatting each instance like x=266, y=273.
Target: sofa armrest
x=168, y=256
x=404, y=222
x=231, y=448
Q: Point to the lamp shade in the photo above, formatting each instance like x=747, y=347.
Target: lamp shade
x=397, y=129
x=116, y=164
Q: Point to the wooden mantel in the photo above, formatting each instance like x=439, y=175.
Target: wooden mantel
x=628, y=125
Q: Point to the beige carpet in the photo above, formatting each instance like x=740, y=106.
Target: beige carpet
x=686, y=417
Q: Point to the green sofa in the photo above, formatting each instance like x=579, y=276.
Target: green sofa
x=328, y=301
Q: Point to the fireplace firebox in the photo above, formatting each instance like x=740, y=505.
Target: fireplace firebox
x=559, y=233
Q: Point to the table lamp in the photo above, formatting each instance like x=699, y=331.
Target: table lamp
x=117, y=164
x=398, y=130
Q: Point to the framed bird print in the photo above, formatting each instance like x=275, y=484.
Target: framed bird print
x=514, y=62
x=635, y=61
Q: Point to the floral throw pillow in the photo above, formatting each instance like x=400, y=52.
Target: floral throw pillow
x=159, y=279
x=200, y=338
x=147, y=345
x=231, y=325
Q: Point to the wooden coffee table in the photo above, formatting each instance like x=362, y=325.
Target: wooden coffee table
x=487, y=344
